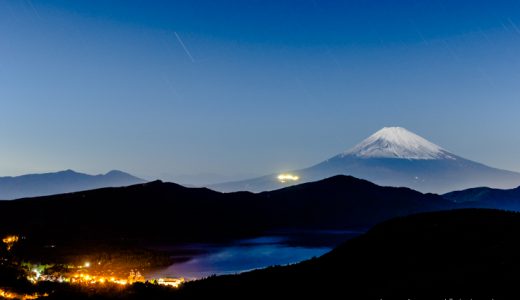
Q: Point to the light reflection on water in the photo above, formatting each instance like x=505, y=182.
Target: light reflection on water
x=247, y=255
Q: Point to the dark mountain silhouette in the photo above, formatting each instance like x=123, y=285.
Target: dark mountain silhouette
x=34, y=185
x=167, y=211
x=487, y=198
x=467, y=254
x=393, y=156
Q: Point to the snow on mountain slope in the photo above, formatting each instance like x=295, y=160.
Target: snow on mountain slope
x=397, y=142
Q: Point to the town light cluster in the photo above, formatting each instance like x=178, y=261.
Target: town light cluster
x=9, y=241
x=80, y=274
x=87, y=279
x=11, y=295
x=283, y=178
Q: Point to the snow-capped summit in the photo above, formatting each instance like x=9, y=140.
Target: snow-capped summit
x=398, y=142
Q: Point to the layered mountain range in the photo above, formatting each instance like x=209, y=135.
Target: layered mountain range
x=340, y=202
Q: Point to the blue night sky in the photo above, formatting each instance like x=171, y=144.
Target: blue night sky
x=164, y=89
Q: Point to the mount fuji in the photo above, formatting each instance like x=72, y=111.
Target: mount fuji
x=393, y=156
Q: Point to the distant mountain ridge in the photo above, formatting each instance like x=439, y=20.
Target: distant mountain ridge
x=485, y=197
x=33, y=185
x=393, y=156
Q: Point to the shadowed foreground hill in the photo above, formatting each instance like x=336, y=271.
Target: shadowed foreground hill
x=167, y=211
x=454, y=254
x=458, y=254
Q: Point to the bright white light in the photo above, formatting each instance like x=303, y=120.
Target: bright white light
x=87, y=265
x=283, y=178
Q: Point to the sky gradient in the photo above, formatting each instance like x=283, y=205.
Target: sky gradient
x=179, y=89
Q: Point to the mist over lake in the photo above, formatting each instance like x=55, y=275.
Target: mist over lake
x=249, y=254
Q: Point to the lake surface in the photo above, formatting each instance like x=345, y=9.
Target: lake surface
x=281, y=248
